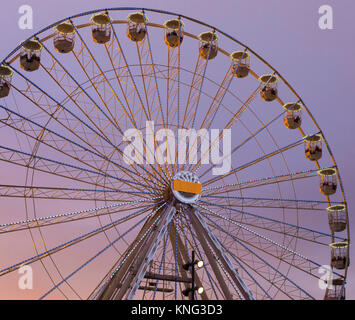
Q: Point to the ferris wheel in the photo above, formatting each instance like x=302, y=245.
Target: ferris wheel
x=117, y=180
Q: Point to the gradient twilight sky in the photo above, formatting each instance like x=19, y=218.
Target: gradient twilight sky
x=319, y=64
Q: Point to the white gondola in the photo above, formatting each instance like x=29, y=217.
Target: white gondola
x=240, y=63
x=269, y=91
x=136, y=29
x=173, y=28
x=208, y=46
x=6, y=74
x=293, y=115
x=339, y=255
x=337, y=218
x=335, y=290
x=64, y=40
x=30, y=57
x=313, y=147
x=328, y=181
x=101, y=28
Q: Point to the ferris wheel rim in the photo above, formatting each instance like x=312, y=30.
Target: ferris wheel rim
x=219, y=31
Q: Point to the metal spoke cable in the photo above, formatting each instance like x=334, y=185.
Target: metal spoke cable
x=260, y=236
x=94, y=102
x=241, y=265
x=270, y=199
x=73, y=166
x=202, y=81
x=74, y=213
x=241, y=183
x=68, y=140
x=263, y=260
x=153, y=64
x=271, y=219
x=40, y=192
x=70, y=242
x=237, y=115
x=135, y=87
x=225, y=91
x=71, y=113
x=116, y=96
x=90, y=260
x=253, y=135
x=248, y=164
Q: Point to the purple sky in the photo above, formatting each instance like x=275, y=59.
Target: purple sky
x=319, y=64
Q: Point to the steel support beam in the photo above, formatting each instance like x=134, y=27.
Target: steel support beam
x=111, y=287
x=129, y=279
x=212, y=261
x=182, y=259
x=206, y=236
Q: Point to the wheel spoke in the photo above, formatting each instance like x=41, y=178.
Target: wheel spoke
x=70, y=243
x=274, y=225
x=70, y=216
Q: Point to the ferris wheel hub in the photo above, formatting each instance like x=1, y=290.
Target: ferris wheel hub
x=186, y=187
